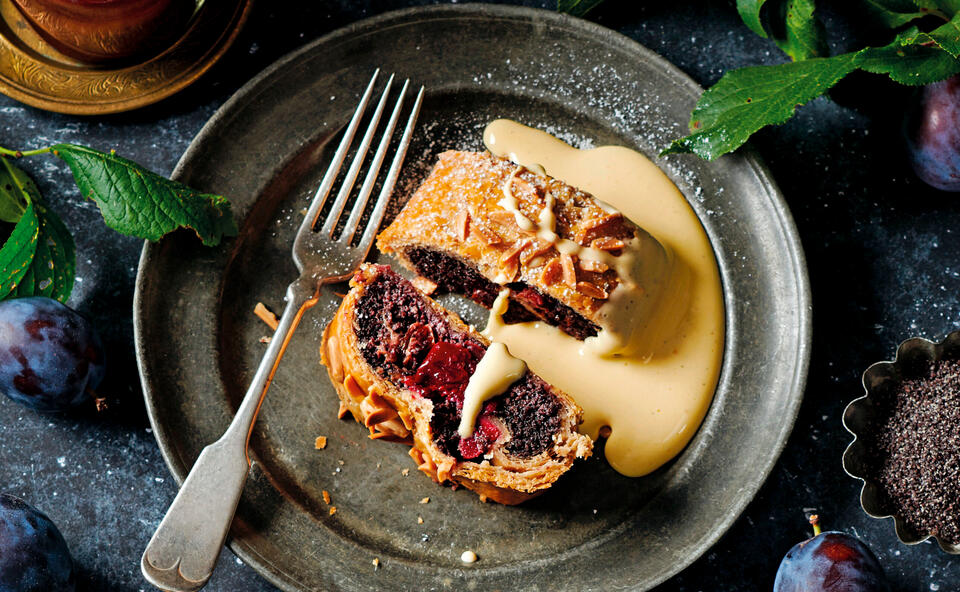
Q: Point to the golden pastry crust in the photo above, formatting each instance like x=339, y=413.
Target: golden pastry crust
x=398, y=414
x=457, y=211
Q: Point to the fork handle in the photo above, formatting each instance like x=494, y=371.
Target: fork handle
x=182, y=553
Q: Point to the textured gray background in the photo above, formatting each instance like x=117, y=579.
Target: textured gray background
x=883, y=254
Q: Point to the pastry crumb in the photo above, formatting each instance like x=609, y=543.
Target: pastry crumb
x=419, y=519
x=326, y=496
x=333, y=510
x=376, y=563
x=320, y=443
x=405, y=472
x=340, y=462
x=266, y=339
x=425, y=500
x=266, y=316
x=468, y=557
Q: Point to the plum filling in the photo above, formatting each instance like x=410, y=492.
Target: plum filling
x=526, y=302
x=410, y=344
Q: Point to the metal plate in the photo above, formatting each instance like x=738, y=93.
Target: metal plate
x=197, y=338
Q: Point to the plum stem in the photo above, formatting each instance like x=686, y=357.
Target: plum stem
x=22, y=153
x=815, y=523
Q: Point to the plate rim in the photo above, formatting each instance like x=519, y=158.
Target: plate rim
x=262, y=565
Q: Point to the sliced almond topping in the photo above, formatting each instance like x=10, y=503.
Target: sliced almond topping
x=599, y=227
x=502, y=217
x=510, y=260
x=266, y=316
x=607, y=243
x=334, y=362
x=509, y=270
x=552, y=272
x=425, y=285
x=607, y=220
x=569, y=270
x=537, y=254
x=462, y=225
x=594, y=266
x=591, y=291
x=353, y=388
x=523, y=188
x=514, y=251
x=488, y=236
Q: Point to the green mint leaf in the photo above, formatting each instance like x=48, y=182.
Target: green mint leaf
x=53, y=268
x=17, y=251
x=138, y=202
x=577, y=7
x=12, y=203
x=745, y=100
x=750, y=15
x=894, y=13
x=907, y=61
x=805, y=35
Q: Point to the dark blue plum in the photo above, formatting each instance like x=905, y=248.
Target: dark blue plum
x=932, y=130
x=830, y=562
x=33, y=555
x=50, y=355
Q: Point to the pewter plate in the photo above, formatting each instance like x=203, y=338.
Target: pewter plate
x=198, y=340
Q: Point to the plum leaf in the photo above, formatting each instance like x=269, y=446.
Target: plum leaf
x=895, y=13
x=745, y=100
x=750, y=15
x=18, y=250
x=805, y=35
x=908, y=60
x=52, y=265
x=137, y=202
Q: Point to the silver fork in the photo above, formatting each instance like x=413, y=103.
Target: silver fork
x=183, y=551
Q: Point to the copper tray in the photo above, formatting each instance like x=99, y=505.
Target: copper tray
x=33, y=72
x=198, y=340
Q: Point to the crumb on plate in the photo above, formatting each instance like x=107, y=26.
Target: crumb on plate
x=266, y=316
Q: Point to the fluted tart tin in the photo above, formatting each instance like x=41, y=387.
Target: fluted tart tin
x=863, y=418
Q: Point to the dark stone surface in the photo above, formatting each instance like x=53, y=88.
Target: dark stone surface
x=882, y=250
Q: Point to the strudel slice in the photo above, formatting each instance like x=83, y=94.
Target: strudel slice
x=400, y=364
x=479, y=223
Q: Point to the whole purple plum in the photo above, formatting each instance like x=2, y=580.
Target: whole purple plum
x=932, y=130
x=830, y=562
x=33, y=555
x=50, y=355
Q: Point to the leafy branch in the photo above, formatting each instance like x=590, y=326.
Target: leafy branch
x=925, y=48
x=38, y=257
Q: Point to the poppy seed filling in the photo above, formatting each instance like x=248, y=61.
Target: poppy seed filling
x=411, y=345
x=526, y=302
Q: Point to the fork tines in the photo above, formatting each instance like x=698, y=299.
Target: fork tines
x=376, y=216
